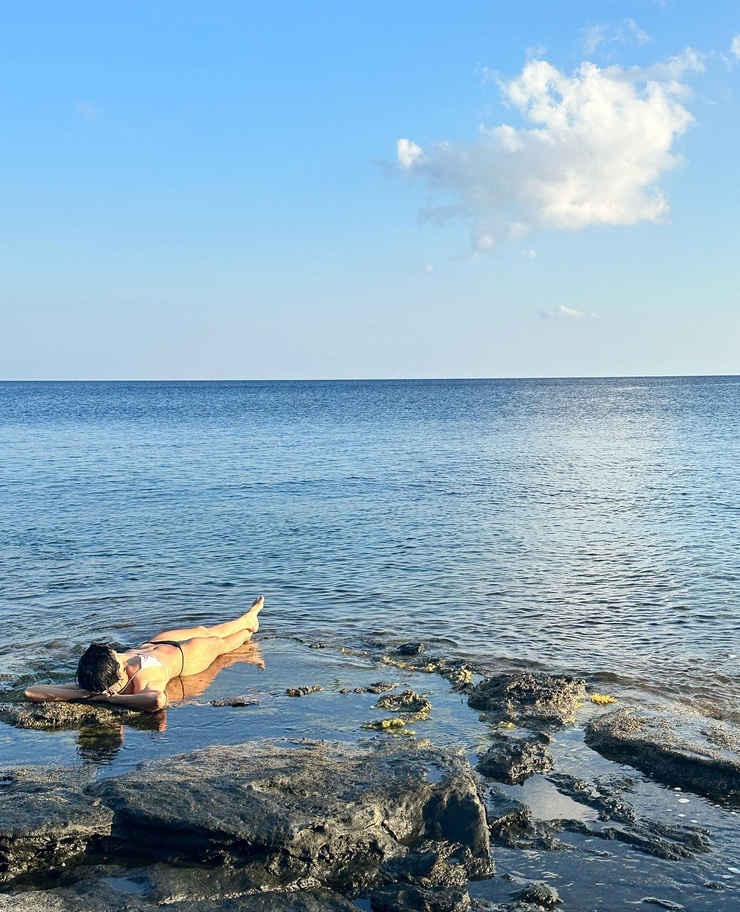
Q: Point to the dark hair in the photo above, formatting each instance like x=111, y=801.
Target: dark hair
x=98, y=668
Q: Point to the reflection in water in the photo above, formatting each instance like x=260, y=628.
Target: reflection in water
x=180, y=689
x=101, y=743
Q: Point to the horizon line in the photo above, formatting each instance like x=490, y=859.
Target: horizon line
x=366, y=379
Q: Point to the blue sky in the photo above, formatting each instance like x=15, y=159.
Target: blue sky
x=233, y=189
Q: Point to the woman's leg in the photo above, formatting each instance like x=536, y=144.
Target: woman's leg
x=199, y=652
x=246, y=622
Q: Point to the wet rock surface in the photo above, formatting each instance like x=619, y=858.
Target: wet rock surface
x=680, y=750
x=47, y=819
x=535, y=700
x=290, y=811
x=624, y=824
x=407, y=702
x=409, y=898
x=119, y=893
x=56, y=716
x=510, y=821
x=303, y=691
x=537, y=894
x=514, y=759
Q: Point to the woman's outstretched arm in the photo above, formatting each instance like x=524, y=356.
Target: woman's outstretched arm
x=145, y=701
x=53, y=693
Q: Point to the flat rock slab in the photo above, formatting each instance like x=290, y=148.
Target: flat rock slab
x=680, y=750
x=102, y=896
x=47, y=819
x=529, y=699
x=288, y=811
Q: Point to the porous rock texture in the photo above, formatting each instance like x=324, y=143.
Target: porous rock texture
x=287, y=811
x=535, y=700
x=54, y=716
x=679, y=749
x=227, y=826
x=514, y=759
x=46, y=819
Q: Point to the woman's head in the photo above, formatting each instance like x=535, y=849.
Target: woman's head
x=99, y=668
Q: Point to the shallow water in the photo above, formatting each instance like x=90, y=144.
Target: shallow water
x=597, y=873
x=582, y=525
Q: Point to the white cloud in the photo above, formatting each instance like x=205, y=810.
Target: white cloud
x=87, y=111
x=735, y=47
x=566, y=313
x=594, y=149
x=408, y=153
x=428, y=268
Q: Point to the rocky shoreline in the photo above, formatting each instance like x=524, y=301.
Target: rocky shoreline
x=375, y=819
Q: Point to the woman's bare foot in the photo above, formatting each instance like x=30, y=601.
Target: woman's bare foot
x=249, y=620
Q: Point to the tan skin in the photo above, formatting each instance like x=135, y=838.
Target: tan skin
x=144, y=689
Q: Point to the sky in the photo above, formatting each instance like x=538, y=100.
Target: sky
x=233, y=189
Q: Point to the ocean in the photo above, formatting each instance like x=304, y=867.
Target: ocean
x=587, y=526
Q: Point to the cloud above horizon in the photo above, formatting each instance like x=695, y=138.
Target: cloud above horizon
x=566, y=313
x=592, y=152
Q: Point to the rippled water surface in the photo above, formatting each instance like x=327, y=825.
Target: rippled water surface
x=581, y=525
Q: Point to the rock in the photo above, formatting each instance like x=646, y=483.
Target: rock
x=664, y=903
x=604, y=795
x=530, y=699
x=56, y=716
x=376, y=688
x=663, y=840
x=458, y=673
x=287, y=811
x=303, y=691
x=515, y=759
x=408, y=702
x=509, y=821
x=411, y=649
x=432, y=864
x=677, y=749
x=538, y=894
x=112, y=894
x=407, y=898
x=236, y=701
x=47, y=820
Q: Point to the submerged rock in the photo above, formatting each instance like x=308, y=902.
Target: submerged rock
x=411, y=649
x=623, y=823
x=303, y=691
x=409, y=898
x=538, y=894
x=678, y=749
x=47, y=820
x=287, y=811
x=236, y=701
x=530, y=699
x=515, y=759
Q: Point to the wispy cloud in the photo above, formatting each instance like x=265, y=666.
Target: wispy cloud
x=596, y=145
x=567, y=313
x=87, y=110
x=735, y=47
x=595, y=37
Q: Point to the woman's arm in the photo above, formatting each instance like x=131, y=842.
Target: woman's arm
x=51, y=693
x=144, y=701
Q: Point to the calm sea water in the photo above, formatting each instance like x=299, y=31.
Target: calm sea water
x=588, y=526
